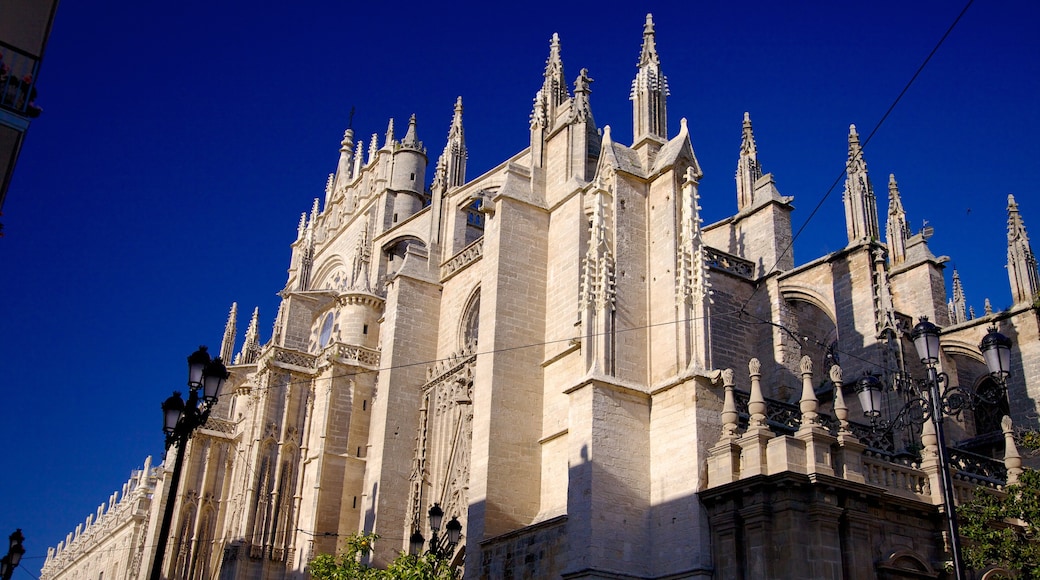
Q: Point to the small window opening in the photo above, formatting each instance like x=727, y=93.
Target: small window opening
x=364, y=329
x=355, y=502
x=364, y=405
x=395, y=217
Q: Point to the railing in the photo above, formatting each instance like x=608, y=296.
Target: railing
x=978, y=469
x=785, y=418
x=467, y=256
x=719, y=260
x=357, y=355
x=18, y=80
x=293, y=358
x=220, y=426
x=902, y=478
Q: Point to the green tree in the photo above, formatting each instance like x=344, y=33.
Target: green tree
x=346, y=564
x=1003, y=529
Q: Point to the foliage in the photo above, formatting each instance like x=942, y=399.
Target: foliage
x=424, y=567
x=1004, y=529
x=346, y=564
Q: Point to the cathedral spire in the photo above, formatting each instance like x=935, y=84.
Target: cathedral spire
x=749, y=170
x=359, y=158
x=411, y=139
x=388, y=142
x=861, y=220
x=553, y=93
x=251, y=347
x=897, y=231
x=1021, y=264
x=957, y=307
x=227, y=344
x=372, y=148
x=451, y=167
x=649, y=91
x=346, y=161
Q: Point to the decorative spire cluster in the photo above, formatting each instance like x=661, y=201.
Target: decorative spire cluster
x=861, y=220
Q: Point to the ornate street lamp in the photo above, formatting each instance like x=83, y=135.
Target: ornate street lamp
x=442, y=547
x=930, y=401
x=180, y=419
x=15, y=551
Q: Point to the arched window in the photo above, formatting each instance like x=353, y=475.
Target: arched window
x=471, y=323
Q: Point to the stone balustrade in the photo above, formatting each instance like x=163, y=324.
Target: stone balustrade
x=780, y=437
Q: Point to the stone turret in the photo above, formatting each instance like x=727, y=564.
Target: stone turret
x=408, y=174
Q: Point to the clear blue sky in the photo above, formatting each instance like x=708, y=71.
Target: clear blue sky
x=177, y=149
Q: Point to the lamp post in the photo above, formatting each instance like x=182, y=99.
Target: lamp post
x=180, y=420
x=15, y=551
x=932, y=399
x=441, y=547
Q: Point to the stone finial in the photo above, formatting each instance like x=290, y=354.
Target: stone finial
x=835, y=373
x=754, y=366
x=756, y=402
x=729, y=407
x=841, y=410
x=808, y=403
x=805, y=365
x=988, y=307
x=1012, y=460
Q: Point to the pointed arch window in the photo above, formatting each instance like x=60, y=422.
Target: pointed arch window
x=471, y=323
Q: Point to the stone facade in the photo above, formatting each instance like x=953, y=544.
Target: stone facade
x=537, y=350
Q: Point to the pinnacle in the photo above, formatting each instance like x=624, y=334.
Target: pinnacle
x=649, y=52
x=410, y=138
